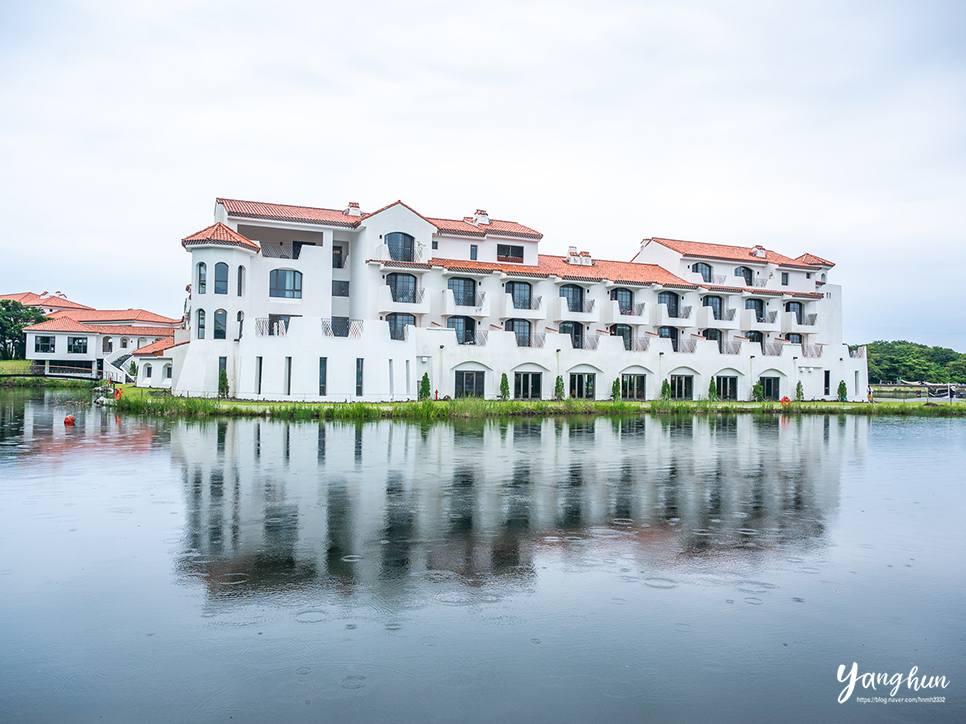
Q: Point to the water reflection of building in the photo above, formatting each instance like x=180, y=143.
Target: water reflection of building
x=274, y=504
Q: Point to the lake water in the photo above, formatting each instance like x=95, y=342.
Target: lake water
x=646, y=569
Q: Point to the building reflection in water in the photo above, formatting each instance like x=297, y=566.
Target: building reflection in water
x=375, y=506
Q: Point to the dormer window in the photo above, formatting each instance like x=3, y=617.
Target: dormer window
x=511, y=254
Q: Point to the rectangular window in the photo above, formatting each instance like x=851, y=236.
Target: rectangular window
x=338, y=257
x=727, y=388
x=323, y=362
x=288, y=375
x=682, y=387
x=222, y=365
x=828, y=382
x=505, y=252
x=44, y=344
x=632, y=387
x=526, y=385
x=473, y=252
x=358, y=377
x=808, y=275
x=582, y=385
x=784, y=279
x=771, y=387
x=340, y=289
x=147, y=371
x=390, y=379
x=77, y=345
x=258, y=375
x=435, y=244
x=469, y=384
x=167, y=372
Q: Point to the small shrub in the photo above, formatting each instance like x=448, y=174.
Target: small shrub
x=133, y=369
x=223, y=383
x=666, y=391
x=558, y=388
x=615, y=389
x=758, y=392
x=424, y=389
x=799, y=393
x=713, y=391
x=504, y=388
x=843, y=391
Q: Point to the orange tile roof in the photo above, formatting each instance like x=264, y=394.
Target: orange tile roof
x=113, y=315
x=807, y=258
x=155, y=348
x=66, y=324
x=334, y=217
x=701, y=250
x=221, y=234
x=29, y=299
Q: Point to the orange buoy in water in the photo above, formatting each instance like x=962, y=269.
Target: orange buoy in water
x=117, y=394
x=69, y=421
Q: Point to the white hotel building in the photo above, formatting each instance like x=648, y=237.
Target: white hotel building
x=327, y=305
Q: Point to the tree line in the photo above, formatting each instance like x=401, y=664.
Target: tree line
x=893, y=361
x=14, y=316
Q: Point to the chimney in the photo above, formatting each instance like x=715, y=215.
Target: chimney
x=353, y=209
x=481, y=217
x=758, y=251
x=579, y=258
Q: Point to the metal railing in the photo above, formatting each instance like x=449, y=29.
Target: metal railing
x=765, y=317
x=341, y=327
x=808, y=320
x=469, y=300
x=718, y=279
x=772, y=349
x=640, y=344
x=339, y=260
x=590, y=341
x=757, y=282
x=857, y=353
x=811, y=351
x=271, y=328
x=273, y=250
x=730, y=348
x=408, y=296
x=534, y=303
x=585, y=307
x=687, y=346
x=479, y=339
x=397, y=253
x=725, y=314
x=534, y=340
x=679, y=313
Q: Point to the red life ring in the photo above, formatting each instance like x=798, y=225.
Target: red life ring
x=117, y=394
x=786, y=401
x=69, y=421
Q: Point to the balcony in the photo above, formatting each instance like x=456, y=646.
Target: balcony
x=272, y=326
x=613, y=314
x=411, y=301
x=790, y=323
x=857, y=353
x=772, y=349
x=341, y=327
x=661, y=316
x=563, y=311
x=766, y=322
x=476, y=306
x=534, y=340
x=687, y=346
x=811, y=351
x=589, y=341
x=729, y=347
x=531, y=310
x=707, y=319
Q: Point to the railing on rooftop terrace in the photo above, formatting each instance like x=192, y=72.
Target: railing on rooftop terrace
x=857, y=353
x=590, y=341
x=730, y=348
x=534, y=340
x=533, y=303
x=510, y=259
x=687, y=346
x=758, y=282
x=640, y=344
x=341, y=327
x=271, y=327
x=272, y=250
x=771, y=349
x=811, y=351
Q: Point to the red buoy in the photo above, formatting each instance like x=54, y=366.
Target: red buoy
x=69, y=421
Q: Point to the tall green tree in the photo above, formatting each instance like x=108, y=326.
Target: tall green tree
x=14, y=316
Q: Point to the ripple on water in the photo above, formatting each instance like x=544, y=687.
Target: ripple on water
x=316, y=615
x=454, y=598
x=754, y=586
x=351, y=558
x=665, y=583
x=355, y=681
x=231, y=579
x=294, y=692
x=754, y=601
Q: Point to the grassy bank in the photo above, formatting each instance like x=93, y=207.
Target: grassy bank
x=474, y=408
x=50, y=383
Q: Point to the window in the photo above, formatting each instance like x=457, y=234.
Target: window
x=798, y=308
x=727, y=387
x=402, y=247
x=670, y=333
x=714, y=335
x=340, y=289
x=288, y=375
x=222, y=365
x=794, y=338
x=520, y=293
x=45, y=344
x=670, y=300
x=221, y=278
x=526, y=385
x=397, y=325
x=624, y=299
x=755, y=336
x=202, y=277
x=828, y=382
x=808, y=275
x=464, y=291
x=77, y=345
x=258, y=375
x=473, y=252
x=338, y=257
x=465, y=329
x=124, y=343
x=241, y=280
x=469, y=384
x=745, y=273
x=505, y=252
x=240, y=318
x=771, y=387
x=221, y=324
x=167, y=372
x=285, y=283
x=323, y=363
x=521, y=328
x=403, y=288
x=147, y=371
x=703, y=269
x=435, y=244
x=574, y=296
x=632, y=387
x=784, y=279
x=576, y=332
x=582, y=385
x=623, y=330
x=715, y=303
x=682, y=387
x=200, y=325
x=359, y=377
x=759, y=306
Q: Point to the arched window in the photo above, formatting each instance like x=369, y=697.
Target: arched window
x=576, y=332
x=201, y=324
x=167, y=372
x=703, y=269
x=397, y=325
x=241, y=280
x=221, y=324
x=124, y=343
x=521, y=328
x=798, y=308
x=670, y=333
x=574, y=296
x=715, y=304
x=147, y=371
x=823, y=277
x=624, y=299
x=794, y=338
x=402, y=287
x=141, y=342
x=285, y=283
x=464, y=291
x=521, y=293
x=623, y=330
x=402, y=247
x=755, y=336
x=241, y=323
x=746, y=273
x=202, y=277
x=671, y=300
x=759, y=306
x=714, y=335
x=221, y=278
x=465, y=329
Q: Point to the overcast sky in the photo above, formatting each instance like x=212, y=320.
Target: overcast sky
x=830, y=127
